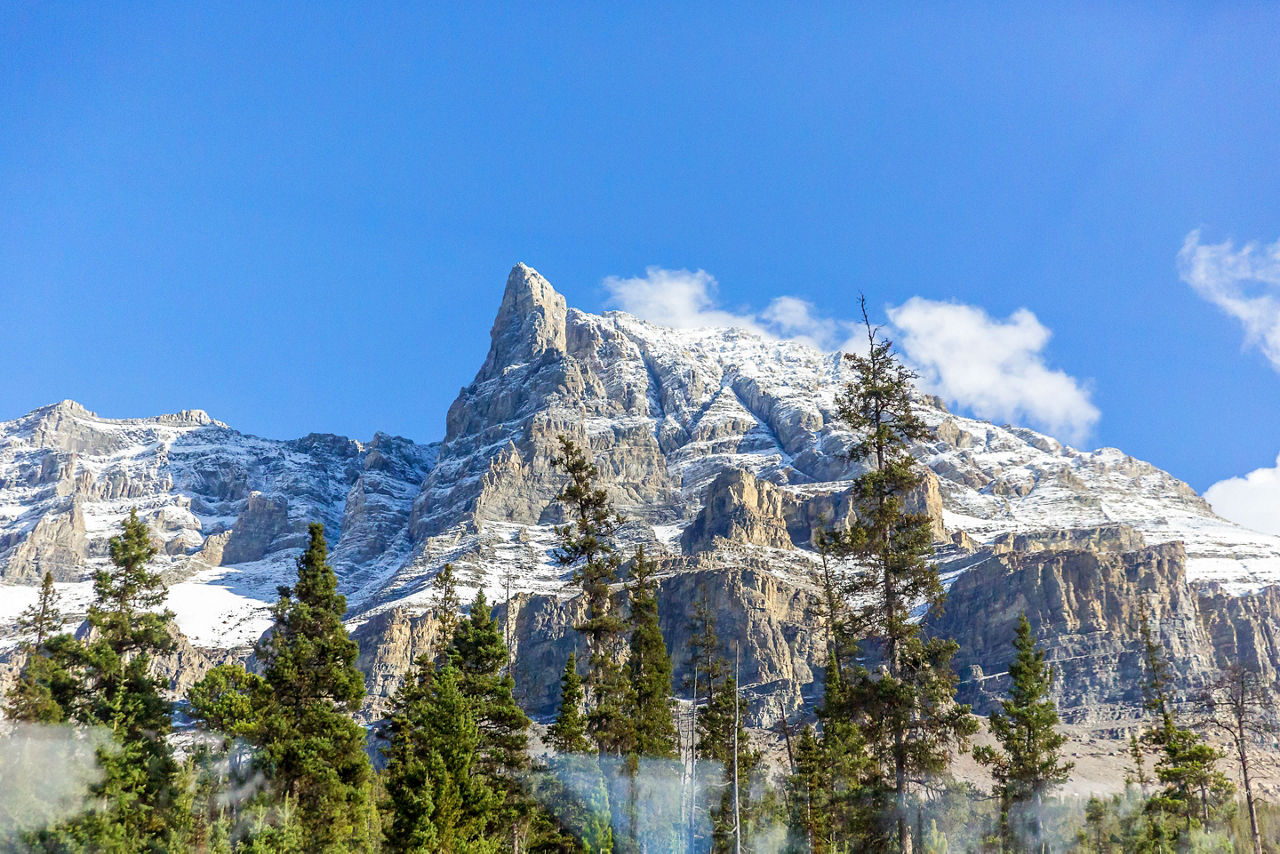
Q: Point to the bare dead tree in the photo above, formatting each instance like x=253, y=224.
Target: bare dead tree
x=1235, y=705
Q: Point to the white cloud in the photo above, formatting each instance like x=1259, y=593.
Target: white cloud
x=994, y=368
x=681, y=299
x=1245, y=283
x=686, y=299
x=1252, y=500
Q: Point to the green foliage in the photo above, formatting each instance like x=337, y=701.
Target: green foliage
x=42, y=619
x=480, y=656
x=569, y=732
x=457, y=753
x=723, y=737
x=1195, y=793
x=906, y=710
x=229, y=700
x=650, y=667
x=107, y=682
x=445, y=606
x=721, y=734
x=1028, y=763
x=435, y=801
x=34, y=696
x=833, y=796
x=585, y=546
x=311, y=749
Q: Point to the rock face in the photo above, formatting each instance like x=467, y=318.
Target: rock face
x=724, y=452
x=229, y=512
x=1083, y=605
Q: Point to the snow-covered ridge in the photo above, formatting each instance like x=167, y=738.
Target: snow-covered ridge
x=663, y=411
x=230, y=510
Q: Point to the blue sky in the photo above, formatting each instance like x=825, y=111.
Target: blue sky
x=300, y=218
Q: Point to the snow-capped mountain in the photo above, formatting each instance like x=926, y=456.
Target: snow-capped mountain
x=665, y=413
x=230, y=510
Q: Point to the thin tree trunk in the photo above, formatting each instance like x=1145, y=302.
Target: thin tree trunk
x=1248, y=791
x=904, y=831
x=786, y=734
x=737, y=815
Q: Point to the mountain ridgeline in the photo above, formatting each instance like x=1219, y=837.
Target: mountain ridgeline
x=724, y=455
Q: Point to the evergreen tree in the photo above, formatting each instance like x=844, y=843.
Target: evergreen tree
x=33, y=697
x=650, y=666
x=807, y=787
x=445, y=607
x=723, y=738
x=109, y=684
x=1029, y=762
x=229, y=700
x=830, y=609
x=435, y=800
x=1195, y=793
x=836, y=778
x=313, y=749
x=569, y=732
x=585, y=810
x=908, y=711
x=42, y=619
x=721, y=734
x=479, y=655
x=586, y=547
x=705, y=656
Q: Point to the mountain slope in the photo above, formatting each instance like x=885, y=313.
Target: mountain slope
x=668, y=414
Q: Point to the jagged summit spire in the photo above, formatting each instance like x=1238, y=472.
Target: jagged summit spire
x=530, y=322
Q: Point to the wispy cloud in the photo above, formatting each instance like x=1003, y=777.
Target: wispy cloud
x=1252, y=500
x=1244, y=282
x=993, y=368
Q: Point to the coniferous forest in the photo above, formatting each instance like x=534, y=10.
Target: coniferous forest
x=270, y=758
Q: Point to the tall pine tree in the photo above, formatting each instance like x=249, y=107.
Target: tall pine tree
x=111, y=686
x=1195, y=792
x=435, y=800
x=314, y=750
x=911, y=721
x=1029, y=763
x=569, y=732
x=33, y=697
x=445, y=607
x=586, y=548
x=650, y=666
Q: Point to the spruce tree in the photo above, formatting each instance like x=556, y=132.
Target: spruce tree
x=33, y=696
x=723, y=738
x=650, y=666
x=569, y=732
x=42, y=619
x=807, y=787
x=110, y=685
x=911, y=721
x=1195, y=793
x=1029, y=763
x=479, y=655
x=721, y=733
x=586, y=547
x=445, y=607
x=435, y=799
x=314, y=751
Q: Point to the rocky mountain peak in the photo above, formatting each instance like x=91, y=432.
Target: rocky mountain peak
x=530, y=323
